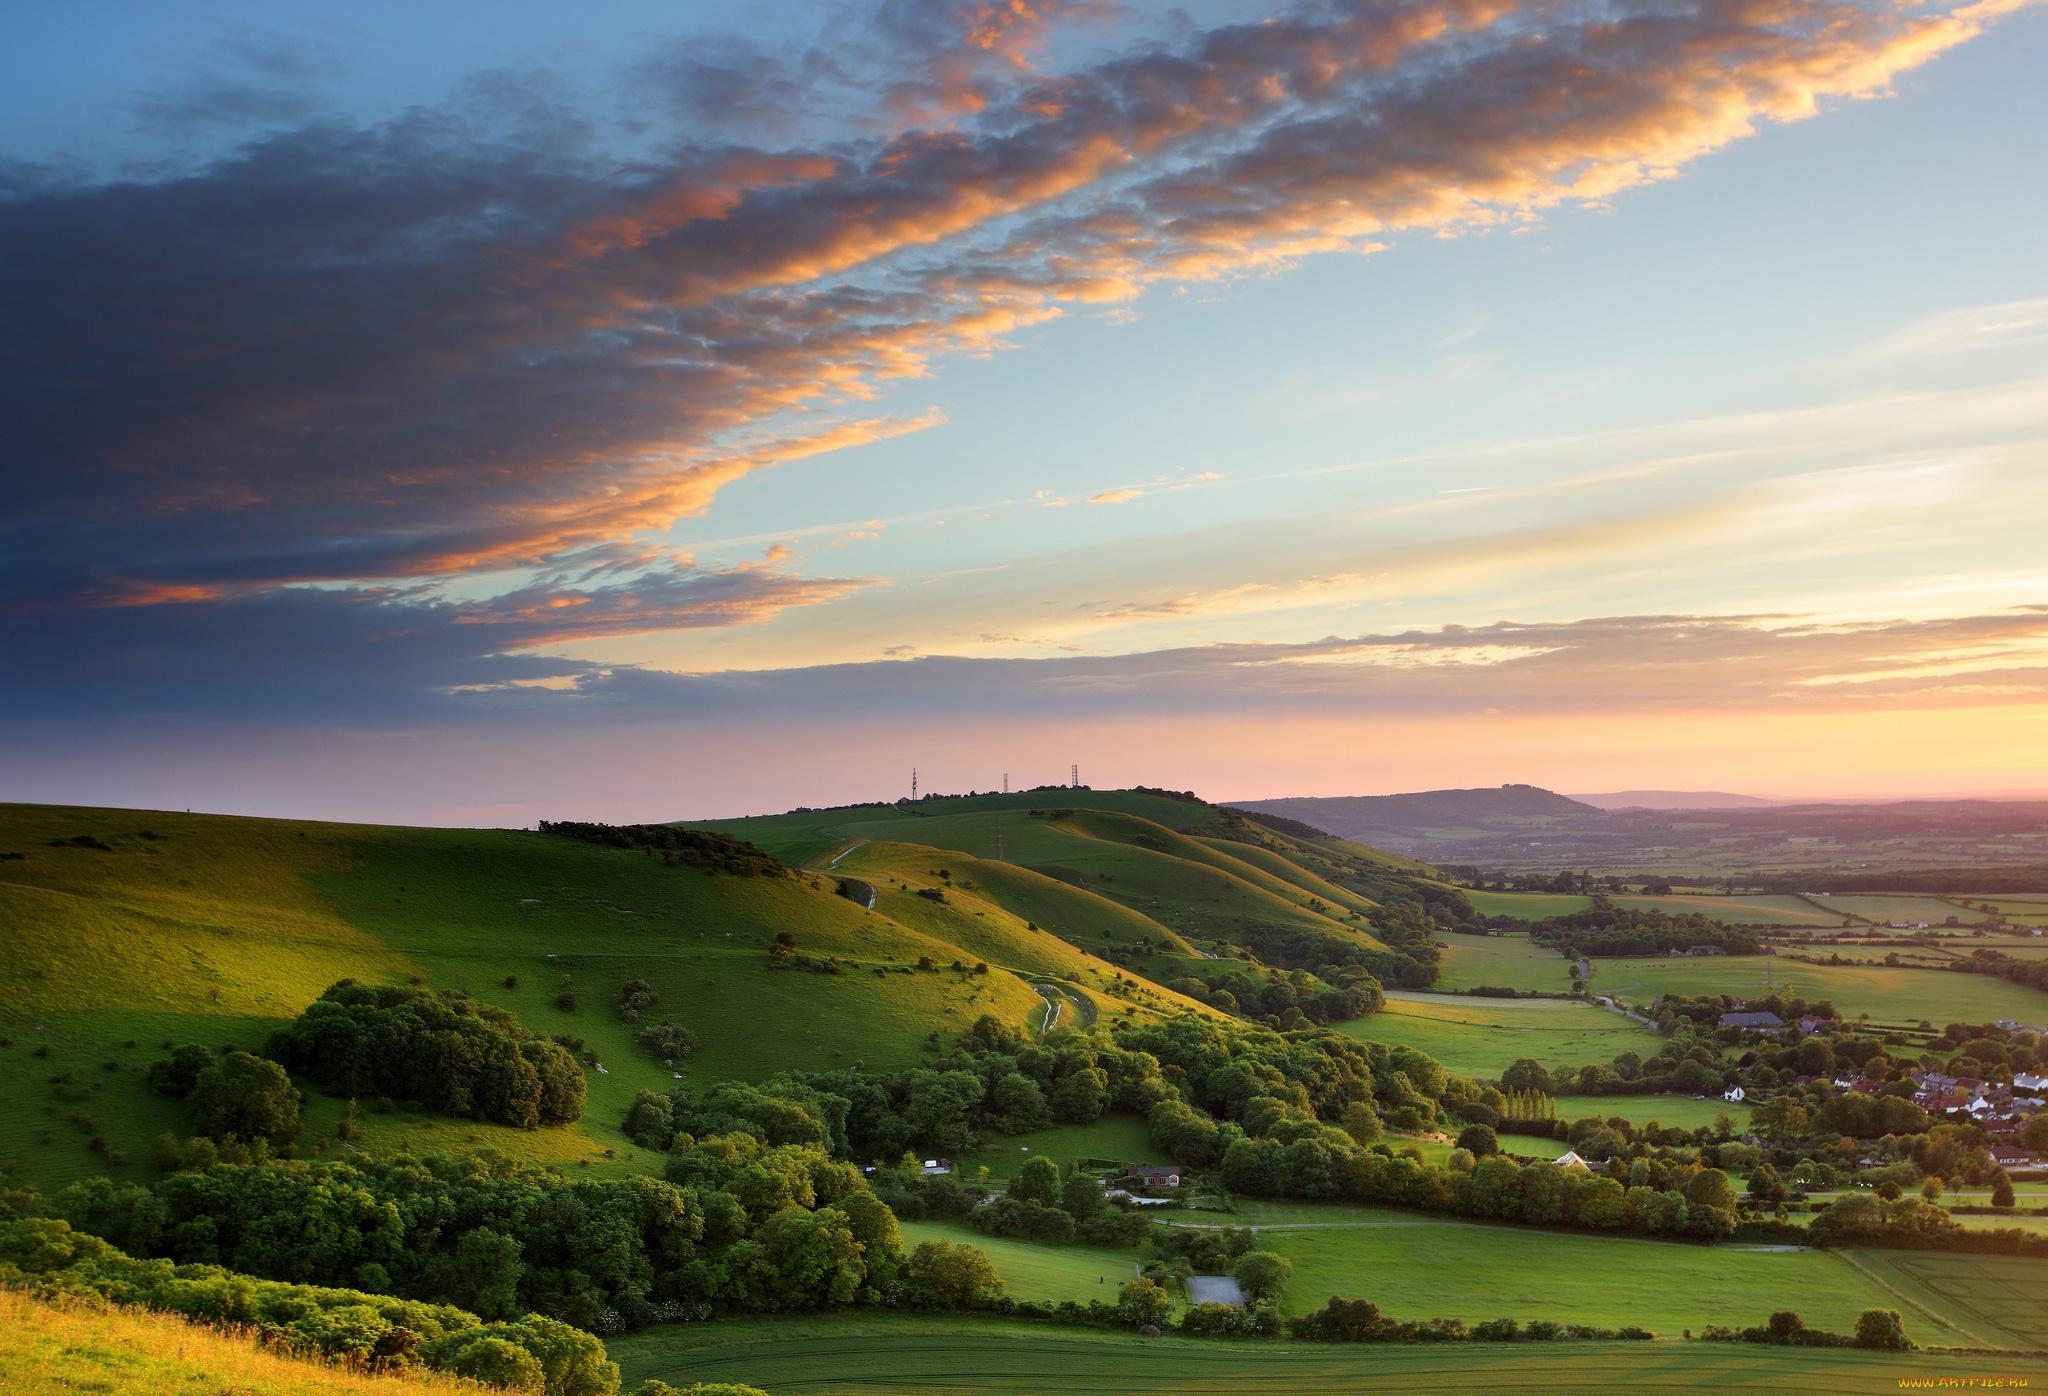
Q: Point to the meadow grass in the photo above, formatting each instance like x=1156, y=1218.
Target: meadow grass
x=1503, y=961
x=1759, y=909
x=1046, y=1274
x=903, y=1354
x=1932, y=910
x=217, y=930
x=1418, y=1268
x=1887, y=994
x=1986, y=1300
x=86, y=1345
x=1124, y=1138
x=1482, y=1036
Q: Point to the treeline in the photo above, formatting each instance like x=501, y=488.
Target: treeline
x=737, y=1223
x=446, y=1052
x=1293, y=828
x=1916, y=1224
x=1360, y=1321
x=1290, y=1000
x=1605, y=929
x=1992, y=881
x=1875, y=1328
x=49, y=1259
x=690, y=848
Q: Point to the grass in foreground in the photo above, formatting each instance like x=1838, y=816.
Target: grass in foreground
x=83, y=1346
x=889, y=1354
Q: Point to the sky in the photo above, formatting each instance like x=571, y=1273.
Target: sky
x=467, y=414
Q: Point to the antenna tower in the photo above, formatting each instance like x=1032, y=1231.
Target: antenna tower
x=1006, y=782
x=1074, y=775
x=913, y=785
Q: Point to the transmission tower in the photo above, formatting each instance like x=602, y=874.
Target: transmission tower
x=1074, y=775
x=913, y=785
x=1006, y=782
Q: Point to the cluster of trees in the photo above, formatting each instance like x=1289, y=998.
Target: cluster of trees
x=737, y=1222
x=993, y=1082
x=1607, y=929
x=231, y=1096
x=51, y=1259
x=689, y=848
x=446, y=1052
x=1411, y=962
x=1674, y=1197
x=1291, y=999
x=1875, y=1328
x=1917, y=1224
x=1052, y=1211
x=1360, y=1321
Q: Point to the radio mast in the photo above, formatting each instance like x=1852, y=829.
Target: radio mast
x=1074, y=775
x=913, y=785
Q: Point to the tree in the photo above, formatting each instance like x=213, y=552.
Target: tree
x=2035, y=1135
x=1481, y=1141
x=945, y=1276
x=1932, y=1189
x=1262, y=1274
x=2001, y=1195
x=1037, y=1181
x=178, y=1075
x=571, y=1361
x=246, y=1098
x=1881, y=1328
x=1710, y=1188
x=1081, y=1197
x=1362, y=1123
x=1141, y=1302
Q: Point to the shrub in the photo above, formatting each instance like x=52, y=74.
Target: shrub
x=668, y=1042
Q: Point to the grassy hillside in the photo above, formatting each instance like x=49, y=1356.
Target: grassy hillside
x=1503, y=961
x=80, y=1346
x=208, y=929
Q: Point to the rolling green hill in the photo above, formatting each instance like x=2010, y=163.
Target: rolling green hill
x=216, y=930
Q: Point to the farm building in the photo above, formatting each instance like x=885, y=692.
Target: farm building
x=1763, y=1022
x=1154, y=1177
x=1570, y=1159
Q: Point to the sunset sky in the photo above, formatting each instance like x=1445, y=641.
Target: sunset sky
x=466, y=413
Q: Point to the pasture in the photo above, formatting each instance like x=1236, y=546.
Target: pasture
x=1900, y=907
x=1890, y=995
x=1046, y=1274
x=892, y=1354
x=1124, y=1138
x=1418, y=1268
x=207, y=929
x=1759, y=909
x=1509, y=961
x=1482, y=1037
x=1990, y=1300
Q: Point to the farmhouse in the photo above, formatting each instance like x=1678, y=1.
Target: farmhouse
x=1703, y=950
x=1570, y=1160
x=2006, y=1156
x=1764, y=1022
x=1155, y=1177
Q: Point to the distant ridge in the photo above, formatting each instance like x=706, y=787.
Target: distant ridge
x=1405, y=818
x=1676, y=799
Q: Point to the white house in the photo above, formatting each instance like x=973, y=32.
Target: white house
x=1732, y=1093
x=1571, y=1159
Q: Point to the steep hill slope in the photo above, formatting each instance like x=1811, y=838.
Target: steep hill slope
x=130, y=929
x=1426, y=814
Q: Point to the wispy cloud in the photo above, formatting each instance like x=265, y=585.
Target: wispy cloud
x=470, y=343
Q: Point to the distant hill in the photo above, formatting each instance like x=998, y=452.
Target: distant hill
x=1675, y=799
x=1402, y=819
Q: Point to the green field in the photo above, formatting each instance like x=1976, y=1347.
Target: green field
x=1989, y=1300
x=1416, y=1268
x=1739, y=910
x=1508, y=961
x=1886, y=994
x=1933, y=910
x=1483, y=1037
x=1125, y=1138
x=1047, y=1274
x=960, y=1355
